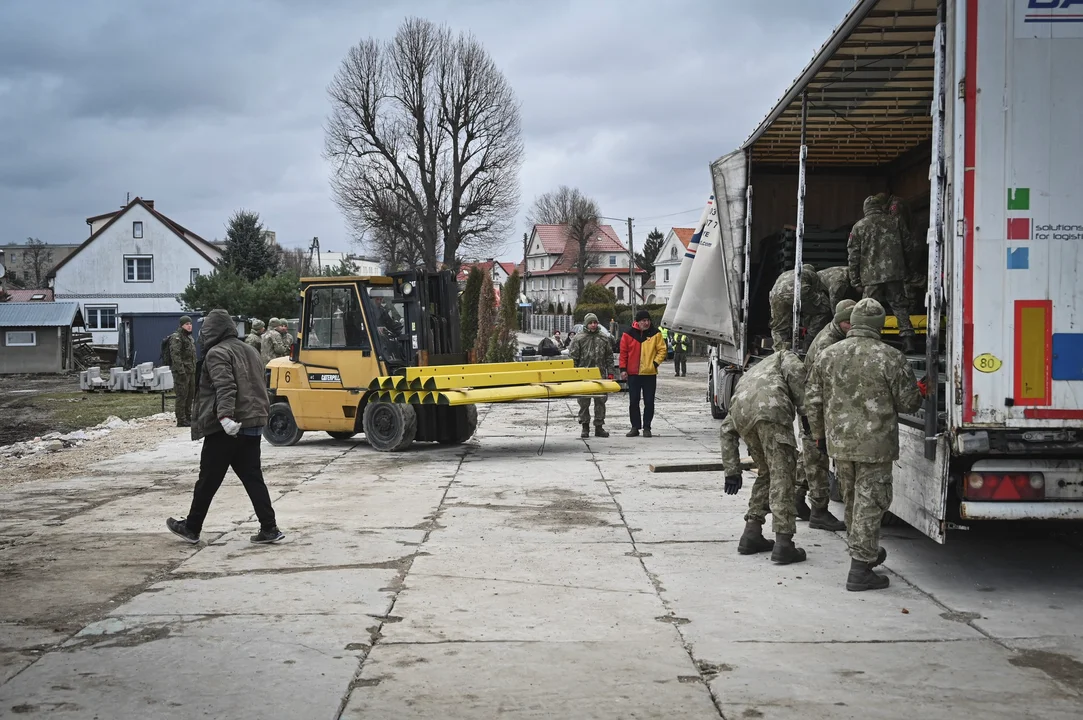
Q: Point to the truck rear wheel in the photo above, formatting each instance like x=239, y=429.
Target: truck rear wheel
x=281, y=428
x=389, y=427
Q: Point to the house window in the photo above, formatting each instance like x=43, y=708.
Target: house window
x=612, y=261
x=137, y=229
x=673, y=253
x=138, y=268
x=100, y=317
x=620, y=292
x=21, y=338
x=665, y=274
x=192, y=275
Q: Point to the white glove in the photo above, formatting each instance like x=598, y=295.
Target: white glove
x=231, y=426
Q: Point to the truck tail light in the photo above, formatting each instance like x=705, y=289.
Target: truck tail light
x=1004, y=486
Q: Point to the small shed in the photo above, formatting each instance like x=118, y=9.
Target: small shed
x=35, y=337
x=140, y=335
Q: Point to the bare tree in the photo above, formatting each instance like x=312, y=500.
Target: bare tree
x=579, y=214
x=296, y=260
x=37, y=261
x=394, y=250
x=425, y=138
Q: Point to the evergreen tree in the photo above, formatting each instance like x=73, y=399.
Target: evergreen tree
x=651, y=248
x=487, y=311
x=468, y=308
x=505, y=342
x=247, y=251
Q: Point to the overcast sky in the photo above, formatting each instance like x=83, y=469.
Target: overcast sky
x=207, y=106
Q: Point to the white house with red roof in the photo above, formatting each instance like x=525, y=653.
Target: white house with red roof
x=135, y=260
x=668, y=262
x=550, y=272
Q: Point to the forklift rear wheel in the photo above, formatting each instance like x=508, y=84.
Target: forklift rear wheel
x=281, y=427
x=465, y=427
x=340, y=435
x=389, y=427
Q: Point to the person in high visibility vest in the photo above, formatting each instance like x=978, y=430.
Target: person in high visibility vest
x=680, y=354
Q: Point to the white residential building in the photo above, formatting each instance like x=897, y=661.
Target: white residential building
x=550, y=273
x=358, y=264
x=135, y=260
x=668, y=263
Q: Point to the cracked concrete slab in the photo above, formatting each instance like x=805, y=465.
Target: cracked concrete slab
x=495, y=525
x=241, y=667
x=583, y=680
x=362, y=506
x=931, y=680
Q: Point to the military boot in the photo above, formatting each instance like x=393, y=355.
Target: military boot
x=753, y=541
x=600, y=431
x=586, y=431
x=785, y=551
x=804, y=512
x=909, y=345
x=822, y=519
x=862, y=577
x=881, y=556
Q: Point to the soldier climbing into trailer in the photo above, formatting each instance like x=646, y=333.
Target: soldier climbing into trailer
x=815, y=308
x=878, y=262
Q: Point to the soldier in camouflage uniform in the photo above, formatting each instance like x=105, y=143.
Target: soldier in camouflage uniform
x=812, y=467
x=762, y=413
x=275, y=342
x=182, y=352
x=591, y=349
x=878, y=262
x=837, y=282
x=855, y=392
x=255, y=338
x=815, y=310
x=916, y=259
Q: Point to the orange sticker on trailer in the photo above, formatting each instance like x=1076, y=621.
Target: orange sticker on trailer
x=1033, y=352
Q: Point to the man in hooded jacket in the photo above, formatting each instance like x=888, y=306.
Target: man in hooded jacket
x=231, y=409
x=642, y=350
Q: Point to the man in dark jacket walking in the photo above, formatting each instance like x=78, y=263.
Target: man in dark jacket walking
x=231, y=409
x=182, y=363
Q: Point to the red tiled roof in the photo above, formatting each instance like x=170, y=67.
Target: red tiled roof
x=684, y=234
x=509, y=268
x=19, y=295
x=554, y=239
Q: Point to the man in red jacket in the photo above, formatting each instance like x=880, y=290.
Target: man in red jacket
x=642, y=350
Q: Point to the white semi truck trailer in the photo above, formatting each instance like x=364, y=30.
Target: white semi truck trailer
x=971, y=112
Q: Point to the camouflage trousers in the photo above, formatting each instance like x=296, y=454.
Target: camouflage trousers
x=774, y=452
x=866, y=490
x=814, y=319
x=893, y=294
x=184, y=387
x=599, y=410
x=812, y=470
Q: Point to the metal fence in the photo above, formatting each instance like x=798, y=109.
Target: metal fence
x=546, y=324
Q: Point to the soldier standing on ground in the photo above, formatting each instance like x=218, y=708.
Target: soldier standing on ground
x=182, y=352
x=591, y=349
x=815, y=310
x=878, y=263
x=855, y=392
x=761, y=413
x=813, y=466
x=276, y=341
x=680, y=354
x=255, y=338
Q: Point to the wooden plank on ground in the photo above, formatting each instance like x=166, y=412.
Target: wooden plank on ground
x=746, y=464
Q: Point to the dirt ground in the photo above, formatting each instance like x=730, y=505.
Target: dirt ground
x=33, y=405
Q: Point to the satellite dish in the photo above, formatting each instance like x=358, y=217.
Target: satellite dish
x=2, y=270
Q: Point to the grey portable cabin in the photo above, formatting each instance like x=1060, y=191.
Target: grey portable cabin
x=35, y=337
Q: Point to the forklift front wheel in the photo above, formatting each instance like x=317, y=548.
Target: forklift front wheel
x=389, y=427
x=281, y=428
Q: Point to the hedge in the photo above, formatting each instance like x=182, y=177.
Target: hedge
x=605, y=313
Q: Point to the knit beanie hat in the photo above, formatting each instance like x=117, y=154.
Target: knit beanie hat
x=868, y=313
x=258, y=325
x=275, y=322
x=184, y=320
x=643, y=315
x=842, y=311
x=589, y=318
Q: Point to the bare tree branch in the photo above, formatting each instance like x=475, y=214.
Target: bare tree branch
x=425, y=142
x=579, y=214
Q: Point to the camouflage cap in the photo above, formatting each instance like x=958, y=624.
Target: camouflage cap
x=868, y=313
x=275, y=322
x=258, y=325
x=843, y=310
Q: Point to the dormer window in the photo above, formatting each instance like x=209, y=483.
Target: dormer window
x=137, y=229
x=673, y=253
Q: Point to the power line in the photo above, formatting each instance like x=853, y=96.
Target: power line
x=682, y=212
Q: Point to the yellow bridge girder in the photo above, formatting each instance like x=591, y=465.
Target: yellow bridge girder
x=456, y=381
x=538, y=391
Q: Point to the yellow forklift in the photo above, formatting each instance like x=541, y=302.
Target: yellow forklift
x=382, y=356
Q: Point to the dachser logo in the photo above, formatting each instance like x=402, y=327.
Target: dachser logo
x=1054, y=11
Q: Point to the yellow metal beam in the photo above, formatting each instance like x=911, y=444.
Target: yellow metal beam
x=500, y=379
x=426, y=371
x=522, y=392
x=920, y=323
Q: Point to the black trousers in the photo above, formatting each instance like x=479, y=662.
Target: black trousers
x=641, y=385
x=680, y=362
x=220, y=453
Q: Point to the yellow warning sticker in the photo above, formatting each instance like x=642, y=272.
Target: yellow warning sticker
x=987, y=363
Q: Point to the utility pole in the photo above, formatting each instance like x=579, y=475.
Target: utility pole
x=631, y=268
